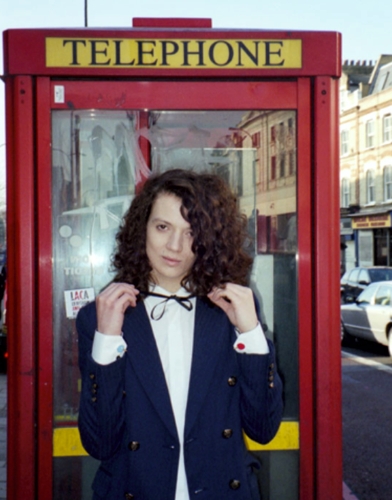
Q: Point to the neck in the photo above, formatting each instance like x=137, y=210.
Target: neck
x=170, y=288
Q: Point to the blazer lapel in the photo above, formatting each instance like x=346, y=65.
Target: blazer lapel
x=208, y=336
x=144, y=357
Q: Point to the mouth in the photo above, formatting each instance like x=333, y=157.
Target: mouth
x=171, y=262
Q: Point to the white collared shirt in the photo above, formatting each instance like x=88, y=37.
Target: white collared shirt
x=174, y=338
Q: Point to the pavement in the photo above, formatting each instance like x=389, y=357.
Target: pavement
x=3, y=436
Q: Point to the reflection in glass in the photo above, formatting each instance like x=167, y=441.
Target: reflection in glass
x=96, y=166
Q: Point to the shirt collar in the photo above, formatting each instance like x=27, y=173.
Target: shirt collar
x=181, y=292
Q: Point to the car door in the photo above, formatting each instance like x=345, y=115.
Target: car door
x=362, y=283
x=379, y=314
x=356, y=316
x=352, y=283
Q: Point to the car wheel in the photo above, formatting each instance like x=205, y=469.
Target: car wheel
x=346, y=338
x=390, y=340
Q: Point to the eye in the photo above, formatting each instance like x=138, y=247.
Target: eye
x=161, y=227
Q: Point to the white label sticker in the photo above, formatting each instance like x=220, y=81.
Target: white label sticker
x=76, y=299
x=59, y=94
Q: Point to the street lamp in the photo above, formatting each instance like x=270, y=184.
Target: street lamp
x=85, y=13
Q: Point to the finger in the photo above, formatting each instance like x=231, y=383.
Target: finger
x=237, y=291
x=115, y=289
x=239, y=296
x=111, y=305
x=219, y=299
x=218, y=294
x=118, y=286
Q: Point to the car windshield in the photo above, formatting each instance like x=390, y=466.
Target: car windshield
x=367, y=295
x=383, y=296
x=380, y=274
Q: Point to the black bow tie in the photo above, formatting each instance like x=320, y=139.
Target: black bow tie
x=183, y=301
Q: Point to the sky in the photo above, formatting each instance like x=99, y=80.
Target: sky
x=365, y=27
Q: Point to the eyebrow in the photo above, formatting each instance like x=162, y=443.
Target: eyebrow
x=158, y=219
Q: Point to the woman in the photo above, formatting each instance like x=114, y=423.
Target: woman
x=174, y=361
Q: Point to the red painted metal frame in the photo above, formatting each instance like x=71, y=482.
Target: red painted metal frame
x=44, y=289
x=21, y=289
x=305, y=313
x=176, y=95
x=318, y=264
x=169, y=22
x=321, y=53
x=327, y=378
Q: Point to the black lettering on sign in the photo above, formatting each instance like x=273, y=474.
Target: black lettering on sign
x=270, y=53
x=95, y=52
x=169, y=48
x=142, y=51
x=74, y=44
x=212, y=55
x=198, y=53
x=253, y=57
x=118, y=52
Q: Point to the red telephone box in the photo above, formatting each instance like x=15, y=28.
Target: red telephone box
x=89, y=114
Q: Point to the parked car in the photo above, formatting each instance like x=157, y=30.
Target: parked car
x=370, y=315
x=3, y=334
x=354, y=281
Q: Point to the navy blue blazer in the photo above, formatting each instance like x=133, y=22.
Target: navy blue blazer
x=126, y=419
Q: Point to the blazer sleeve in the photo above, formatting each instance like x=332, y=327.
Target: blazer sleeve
x=261, y=393
x=101, y=411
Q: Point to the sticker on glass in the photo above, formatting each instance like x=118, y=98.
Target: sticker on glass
x=76, y=299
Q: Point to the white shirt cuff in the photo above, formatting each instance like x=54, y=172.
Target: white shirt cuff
x=252, y=342
x=107, y=348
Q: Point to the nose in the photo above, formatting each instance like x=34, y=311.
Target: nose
x=175, y=241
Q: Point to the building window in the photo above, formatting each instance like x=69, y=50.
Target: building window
x=370, y=195
x=273, y=168
x=238, y=139
x=387, y=128
x=281, y=133
x=388, y=182
x=345, y=192
x=384, y=83
x=282, y=167
x=369, y=127
x=256, y=140
x=344, y=137
x=291, y=162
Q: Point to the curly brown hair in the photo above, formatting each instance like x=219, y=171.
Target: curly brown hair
x=219, y=232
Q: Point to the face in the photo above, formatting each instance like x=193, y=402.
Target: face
x=169, y=243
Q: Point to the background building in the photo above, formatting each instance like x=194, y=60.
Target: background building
x=366, y=163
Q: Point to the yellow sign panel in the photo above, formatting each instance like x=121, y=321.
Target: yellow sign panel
x=172, y=53
x=371, y=221
x=66, y=441
x=287, y=438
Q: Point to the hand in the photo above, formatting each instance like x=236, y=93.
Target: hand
x=111, y=306
x=238, y=304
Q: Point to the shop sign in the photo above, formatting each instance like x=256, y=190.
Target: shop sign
x=83, y=52
x=371, y=221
